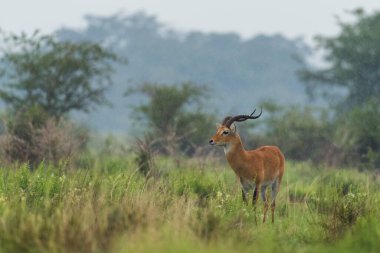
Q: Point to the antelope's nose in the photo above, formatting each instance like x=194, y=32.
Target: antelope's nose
x=212, y=142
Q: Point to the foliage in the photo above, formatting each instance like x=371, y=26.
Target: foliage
x=111, y=208
x=354, y=60
x=173, y=115
x=58, y=77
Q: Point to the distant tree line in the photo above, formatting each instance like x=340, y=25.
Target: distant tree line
x=43, y=80
x=235, y=67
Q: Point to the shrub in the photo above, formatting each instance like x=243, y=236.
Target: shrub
x=27, y=139
x=340, y=202
x=145, y=155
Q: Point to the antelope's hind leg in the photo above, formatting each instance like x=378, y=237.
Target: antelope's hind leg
x=265, y=200
x=255, y=196
x=275, y=188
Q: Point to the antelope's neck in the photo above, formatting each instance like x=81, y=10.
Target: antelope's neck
x=238, y=159
x=234, y=148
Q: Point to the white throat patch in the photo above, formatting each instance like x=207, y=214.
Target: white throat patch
x=227, y=148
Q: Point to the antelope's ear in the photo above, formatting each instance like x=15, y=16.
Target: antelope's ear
x=218, y=125
x=233, y=128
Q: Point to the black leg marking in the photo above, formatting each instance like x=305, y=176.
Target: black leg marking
x=255, y=195
x=244, y=197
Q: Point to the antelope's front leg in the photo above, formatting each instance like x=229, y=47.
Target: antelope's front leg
x=245, y=187
x=244, y=196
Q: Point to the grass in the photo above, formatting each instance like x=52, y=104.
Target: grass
x=107, y=206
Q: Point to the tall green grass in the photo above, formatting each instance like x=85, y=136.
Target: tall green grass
x=107, y=206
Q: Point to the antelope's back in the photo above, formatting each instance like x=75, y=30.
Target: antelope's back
x=274, y=160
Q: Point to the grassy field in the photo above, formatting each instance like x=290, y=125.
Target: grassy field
x=193, y=206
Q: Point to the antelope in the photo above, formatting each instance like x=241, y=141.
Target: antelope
x=256, y=169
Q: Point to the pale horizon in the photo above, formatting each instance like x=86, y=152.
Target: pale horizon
x=293, y=19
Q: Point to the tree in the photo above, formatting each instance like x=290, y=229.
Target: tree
x=354, y=64
x=173, y=115
x=358, y=134
x=55, y=76
x=42, y=80
x=354, y=60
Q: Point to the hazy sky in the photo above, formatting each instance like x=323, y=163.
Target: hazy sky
x=292, y=18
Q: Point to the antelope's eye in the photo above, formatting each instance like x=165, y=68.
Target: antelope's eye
x=225, y=132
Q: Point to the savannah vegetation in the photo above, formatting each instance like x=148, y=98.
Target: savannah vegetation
x=105, y=205
x=64, y=189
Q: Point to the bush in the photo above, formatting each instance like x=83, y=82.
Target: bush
x=341, y=200
x=145, y=155
x=30, y=139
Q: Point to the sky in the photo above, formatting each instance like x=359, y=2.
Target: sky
x=292, y=18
